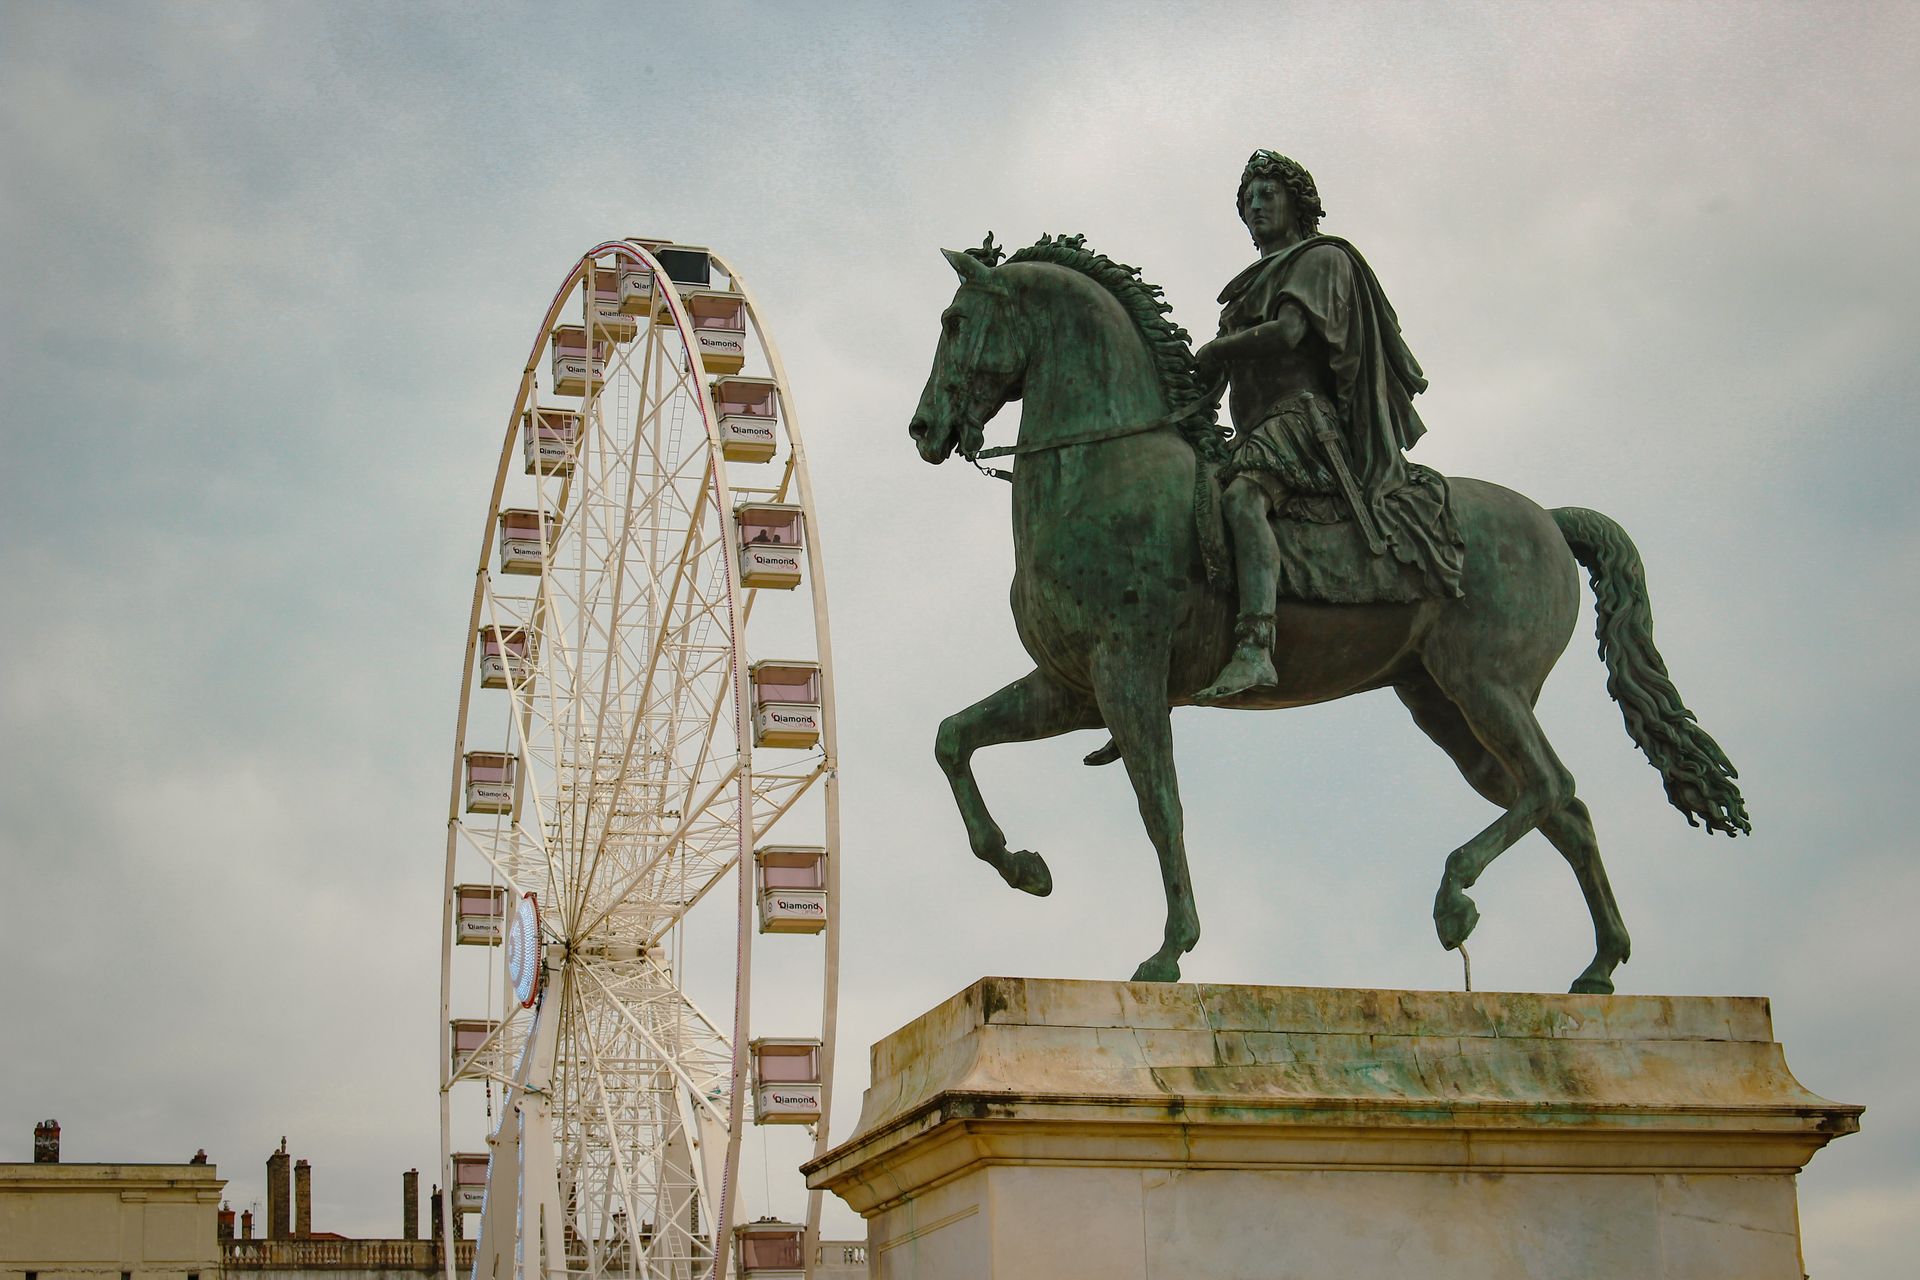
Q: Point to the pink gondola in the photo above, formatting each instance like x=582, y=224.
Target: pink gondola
x=748, y=409
x=786, y=703
x=548, y=438
x=720, y=326
x=772, y=544
x=522, y=544
x=469, y=1181
x=578, y=366
x=792, y=883
x=470, y=1036
x=609, y=319
x=490, y=779
x=506, y=657
x=786, y=1081
x=480, y=913
x=771, y=1249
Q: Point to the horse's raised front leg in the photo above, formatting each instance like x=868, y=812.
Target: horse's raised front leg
x=1132, y=692
x=1031, y=707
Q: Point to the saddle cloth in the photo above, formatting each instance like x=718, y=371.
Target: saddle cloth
x=1323, y=555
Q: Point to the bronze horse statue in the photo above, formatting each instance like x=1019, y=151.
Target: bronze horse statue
x=1112, y=599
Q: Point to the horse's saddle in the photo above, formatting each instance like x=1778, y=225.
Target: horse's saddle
x=1324, y=556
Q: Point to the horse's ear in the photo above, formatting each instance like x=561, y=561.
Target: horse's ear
x=969, y=268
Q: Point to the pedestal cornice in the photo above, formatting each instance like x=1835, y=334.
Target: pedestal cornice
x=1196, y=1076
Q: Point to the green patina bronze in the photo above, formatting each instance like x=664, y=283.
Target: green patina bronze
x=1159, y=562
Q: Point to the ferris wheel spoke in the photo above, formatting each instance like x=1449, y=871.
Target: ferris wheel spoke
x=699, y=1046
x=495, y=1047
x=696, y=1089
x=794, y=788
x=669, y=478
x=710, y=728
x=774, y=810
x=627, y=884
x=584, y=803
x=638, y=721
x=679, y=375
x=613, y=839
x=664, y=979
x=511, y=875
x=677, y=578
x=624, y=1176
x=529, y=800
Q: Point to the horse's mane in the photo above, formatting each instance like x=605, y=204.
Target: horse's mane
x=1169, y=343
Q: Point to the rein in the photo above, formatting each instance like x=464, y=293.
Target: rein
x=1100, y=436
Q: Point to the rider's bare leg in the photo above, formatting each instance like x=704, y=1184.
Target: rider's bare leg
x=1248, y=509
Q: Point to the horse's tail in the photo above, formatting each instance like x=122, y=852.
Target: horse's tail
x=1698, y=775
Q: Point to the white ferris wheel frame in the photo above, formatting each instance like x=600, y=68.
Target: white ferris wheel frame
x=537, y=1164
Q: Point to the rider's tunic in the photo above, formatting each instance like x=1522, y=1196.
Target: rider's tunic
x=1359, y=392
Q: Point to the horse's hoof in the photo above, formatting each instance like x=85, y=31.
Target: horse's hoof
x=1025, y=871
x=1592, y=987
x=1454, y=917
x=1104, y=755
x=1158, y=969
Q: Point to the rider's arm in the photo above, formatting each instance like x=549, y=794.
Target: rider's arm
x=1271, y=337
x=1282, y=333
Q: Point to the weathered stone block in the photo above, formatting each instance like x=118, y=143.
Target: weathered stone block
x=1048, y=1128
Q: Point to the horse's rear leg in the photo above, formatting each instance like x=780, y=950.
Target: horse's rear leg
x=1134, y=706
x=1570, y=830
x=1541, y=786
x=1031, y=707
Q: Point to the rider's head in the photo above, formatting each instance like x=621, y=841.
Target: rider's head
x=1302, y=195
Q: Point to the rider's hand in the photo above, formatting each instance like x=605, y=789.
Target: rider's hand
x=1210, y=361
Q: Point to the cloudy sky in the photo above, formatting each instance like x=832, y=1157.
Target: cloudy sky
x=270, y=272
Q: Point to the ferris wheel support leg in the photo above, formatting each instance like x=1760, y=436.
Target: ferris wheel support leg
x=522, y=1231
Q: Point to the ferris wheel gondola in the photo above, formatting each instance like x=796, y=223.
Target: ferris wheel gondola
x=641, y=800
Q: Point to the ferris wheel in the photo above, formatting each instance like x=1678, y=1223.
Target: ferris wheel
x=644, y=799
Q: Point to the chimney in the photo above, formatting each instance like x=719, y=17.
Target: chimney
x=410, y=1205
x=439, y=1218
x=279, y=1217
x=46, y=1142
x=302, y=1198
x=225, y=1222
x=246, y=1224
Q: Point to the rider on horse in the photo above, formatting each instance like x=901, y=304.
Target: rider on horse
x=1322, y=403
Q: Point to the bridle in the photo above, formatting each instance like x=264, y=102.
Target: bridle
x=1097, y=436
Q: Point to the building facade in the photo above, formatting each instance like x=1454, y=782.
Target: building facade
x=109, y=1221
x=167, y=1222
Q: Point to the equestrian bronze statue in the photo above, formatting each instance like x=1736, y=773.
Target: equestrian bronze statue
x=1161, y=562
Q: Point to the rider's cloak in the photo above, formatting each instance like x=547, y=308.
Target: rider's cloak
x=1374, y=378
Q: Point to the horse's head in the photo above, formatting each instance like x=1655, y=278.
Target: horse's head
x=977, y=367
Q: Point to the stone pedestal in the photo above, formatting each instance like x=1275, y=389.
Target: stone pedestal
x=1124, y=1131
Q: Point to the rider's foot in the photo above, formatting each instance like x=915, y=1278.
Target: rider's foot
x=1103, y=755
x=1249, y=668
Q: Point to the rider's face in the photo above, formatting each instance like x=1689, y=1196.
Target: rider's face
x=1268, y=211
